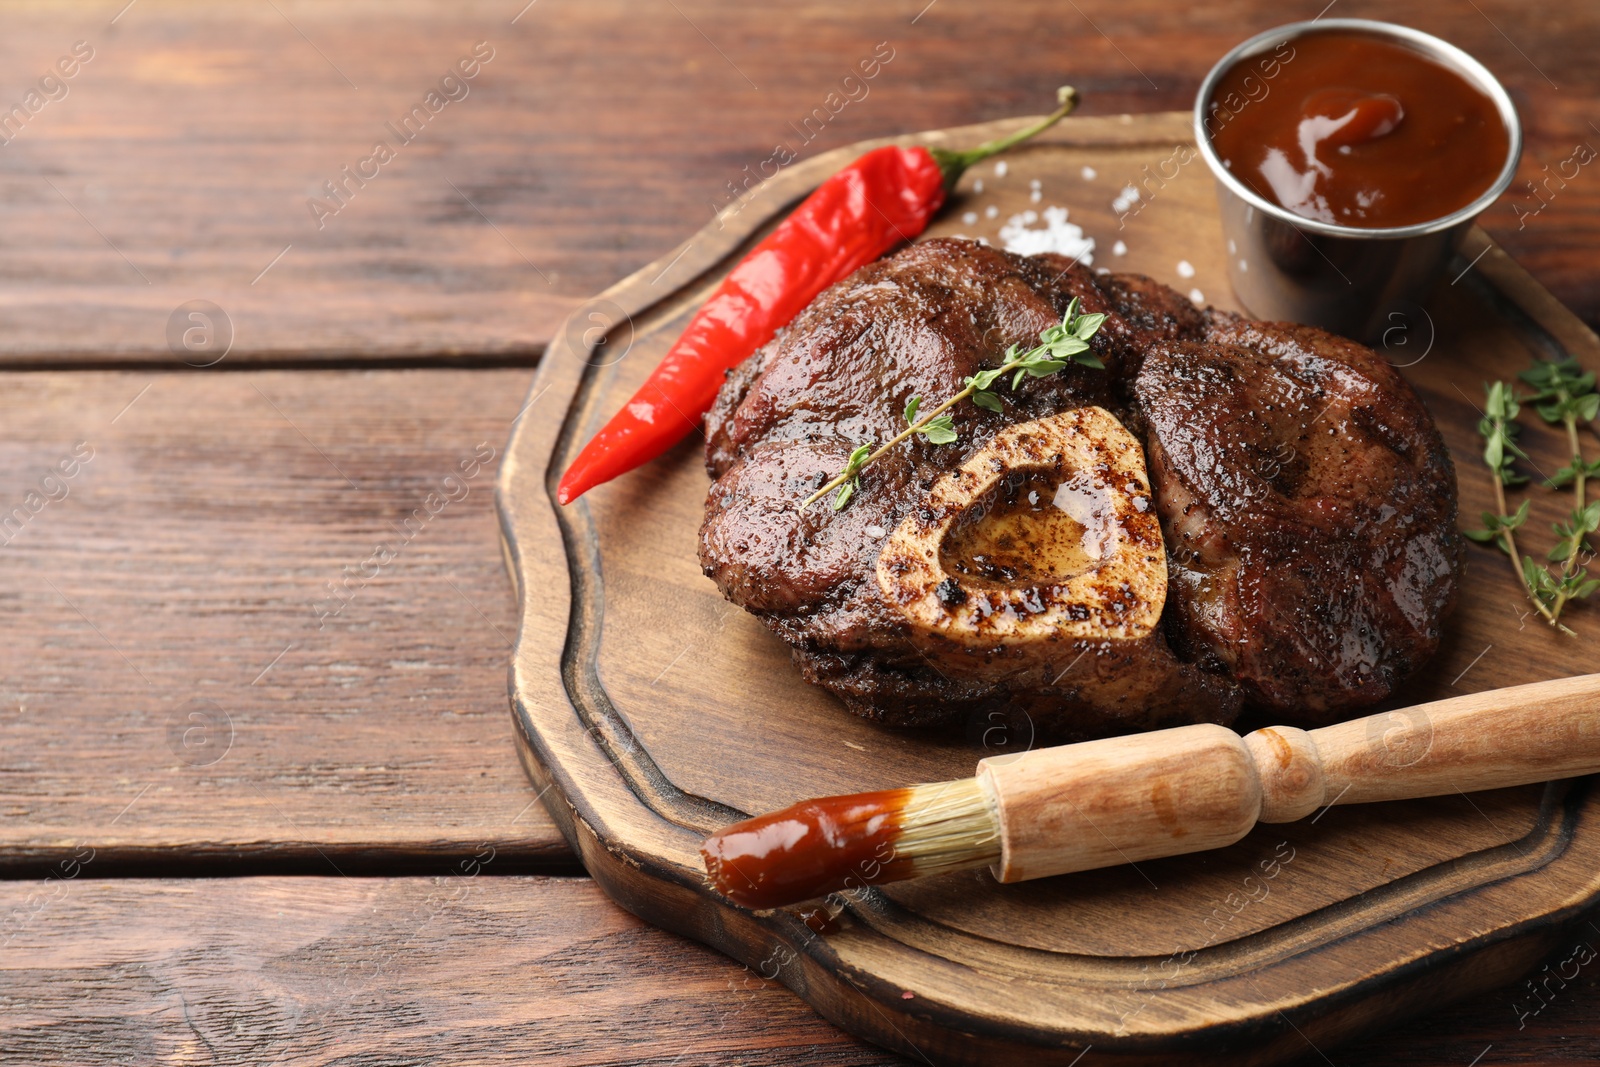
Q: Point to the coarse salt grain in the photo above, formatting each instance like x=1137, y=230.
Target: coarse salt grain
x=1058, y=235
x=1197, y=296
x=875, y=531
x=1036, y=196
x=1185, y=269
x=1000, y=169
x=1119, y=249
x=1089, y=174
x=1243, y=267
x=970, y=217
x=977, y=186
x=991, y=212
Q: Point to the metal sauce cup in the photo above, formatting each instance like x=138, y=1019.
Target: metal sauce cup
x=1342, y=278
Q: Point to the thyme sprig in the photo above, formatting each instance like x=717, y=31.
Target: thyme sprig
x=1564, y=395
x=1059, y=346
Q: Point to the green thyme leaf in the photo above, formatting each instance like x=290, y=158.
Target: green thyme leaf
x=1563, y=395
x=1563, y=390
x=1501, y=403
x=858, y=457
x=1551, y=377
x=1086, y=326
x=1536, y=578
x=911, y=409
x=940, y=431
x=988, y=401
x=1495, y=525
x=1573, y=537
x=1499, y=431
x=983, y=379
x=846, y=491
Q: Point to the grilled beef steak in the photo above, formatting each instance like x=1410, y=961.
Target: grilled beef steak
x=840, y=375
x=989, y=624
x=1310, y=512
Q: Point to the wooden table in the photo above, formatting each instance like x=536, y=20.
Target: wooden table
x=259, y=796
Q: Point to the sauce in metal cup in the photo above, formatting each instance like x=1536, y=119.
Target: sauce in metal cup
x=1333, y=258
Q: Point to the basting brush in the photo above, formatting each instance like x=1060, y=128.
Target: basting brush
x=1166, y=793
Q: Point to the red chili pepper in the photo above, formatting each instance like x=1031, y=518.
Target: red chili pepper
x=881, y=200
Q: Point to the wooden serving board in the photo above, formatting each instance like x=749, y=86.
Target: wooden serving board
x=652, y=712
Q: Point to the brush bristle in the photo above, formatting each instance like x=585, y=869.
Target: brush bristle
x=948, y=826
x=822, y=846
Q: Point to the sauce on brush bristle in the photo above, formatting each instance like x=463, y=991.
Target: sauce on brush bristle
x=809, y=850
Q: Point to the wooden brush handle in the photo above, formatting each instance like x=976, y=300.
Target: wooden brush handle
x=1120, y=800
x=1504, y=737
x=1125, y=799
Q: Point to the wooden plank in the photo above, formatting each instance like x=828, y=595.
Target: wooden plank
x=461, y=969
x=327, y=970
x=207, y=658
x=180, y=163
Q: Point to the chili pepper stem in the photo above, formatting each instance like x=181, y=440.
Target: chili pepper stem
x=953, y=164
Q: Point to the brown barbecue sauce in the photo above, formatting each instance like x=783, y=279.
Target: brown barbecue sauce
x=810, y=849
x=1357, y=130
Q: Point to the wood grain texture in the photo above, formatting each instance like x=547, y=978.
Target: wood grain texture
x=179, y=685
x=1119, y=800
x=181, y=161
x=611, y=134
x=310, y=971
x=462, y=969
x=675, y=714
x=1489, y=740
